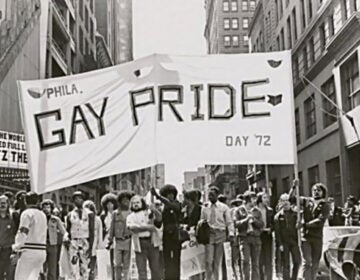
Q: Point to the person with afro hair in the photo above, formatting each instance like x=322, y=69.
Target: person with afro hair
x=171, y=216
x=120, y=235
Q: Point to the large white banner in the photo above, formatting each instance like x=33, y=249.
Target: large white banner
x=216, y=109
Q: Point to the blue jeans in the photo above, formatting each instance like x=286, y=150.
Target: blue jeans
x=151, y=254
x=250, y=247
x=311, y=254
x=296, y=260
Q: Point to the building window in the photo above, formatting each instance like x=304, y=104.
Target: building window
x=281, y=10
x=295, y=68
x=289, y=39
x=226, y=6
x=245, y=23
x=92, y=31
x=350, y=82
x=345, y=9
x=286, y=183
x=235, y=40
x=282, y=39
x=246, y=40
x=301, y=183
x=303, y=17
x=244, y=5
x=355, y=5
x=310, y=12
x=81, y=9
x=276, y=11
x=333, y=178
x=322, y=36
x=310, y=116
x=86, y=19
x=305, y=59
x=235, y=23
x=252, y=5
x=81, y=39
x=312, y=50
x=227, y=42
x=313, y=176
x=278, y=43
x=331, y=25
x=329, y=110
x=226, y=23
x=297, y=126
x=294, y=23
x=234, y=6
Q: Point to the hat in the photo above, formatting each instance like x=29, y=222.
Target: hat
x=78, y=193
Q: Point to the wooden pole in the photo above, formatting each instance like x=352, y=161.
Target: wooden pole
x=267, y=180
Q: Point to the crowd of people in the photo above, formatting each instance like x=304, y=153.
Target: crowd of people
x=37, y=242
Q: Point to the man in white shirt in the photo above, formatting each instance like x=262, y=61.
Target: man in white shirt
x=143, y=223
x=31, y=240
x=218, y=216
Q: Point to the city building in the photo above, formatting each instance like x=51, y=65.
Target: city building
x=19, y=60
x=227, y=24
x=226, y=32
x=140, y=181
x=324, y=39
x=114, y=23
x=82, y=36
x=230, y=179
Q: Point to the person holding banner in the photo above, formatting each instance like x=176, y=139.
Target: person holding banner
x=80, y=225
x=249, y=224
x=171, y=216
x=266, y=256
x=287, y=238
x=315, y=213
x=144, y=240
x=121, y=235
x=218, y=216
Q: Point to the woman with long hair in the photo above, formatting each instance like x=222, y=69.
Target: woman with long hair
x=108, y=206
x=97, y=237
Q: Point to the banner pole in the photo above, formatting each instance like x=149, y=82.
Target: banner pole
x=267, y=179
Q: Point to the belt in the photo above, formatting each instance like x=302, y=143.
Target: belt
x=145, y=238
x=34, y=246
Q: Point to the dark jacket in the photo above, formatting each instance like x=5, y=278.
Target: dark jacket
x=118, y=228
x=314, y=217
x=285, y=228
x=171, y=216
x=336, y=217
x=267, y=235
x=193, y=218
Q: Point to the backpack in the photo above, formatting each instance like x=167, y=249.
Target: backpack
x=202, y=232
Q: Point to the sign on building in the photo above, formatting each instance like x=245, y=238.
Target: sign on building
x=13, y=150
